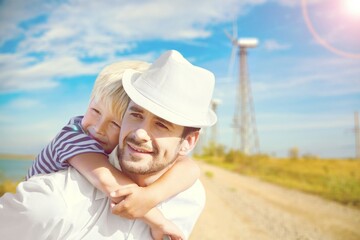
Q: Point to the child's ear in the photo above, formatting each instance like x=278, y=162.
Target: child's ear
x=189, y=143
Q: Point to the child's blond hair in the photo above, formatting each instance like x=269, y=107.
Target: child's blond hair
x=108, y=85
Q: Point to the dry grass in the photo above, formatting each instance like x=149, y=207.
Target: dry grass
x=334, y=179
x=7, y=186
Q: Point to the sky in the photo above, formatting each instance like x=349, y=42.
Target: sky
x=304, y=73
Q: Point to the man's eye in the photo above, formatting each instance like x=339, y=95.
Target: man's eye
x=162, y=125
x=136, y=115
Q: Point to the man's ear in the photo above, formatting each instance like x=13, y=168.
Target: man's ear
x=189, y=143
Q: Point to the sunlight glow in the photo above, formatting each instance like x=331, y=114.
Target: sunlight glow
x=321, y=40
x=353, y=7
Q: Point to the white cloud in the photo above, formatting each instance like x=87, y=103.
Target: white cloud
x=300, y=77
x=22, y=103
x=27, y=73
x=73, y=30
x=291, y=122
x=113, y=27
x=54, y=46
x=14, y=12
x=273, y=45
x=293, y=3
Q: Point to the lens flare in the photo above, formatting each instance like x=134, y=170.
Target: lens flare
x=322, y=41
x=353, y=7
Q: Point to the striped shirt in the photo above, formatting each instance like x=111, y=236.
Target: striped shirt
x=71, y=141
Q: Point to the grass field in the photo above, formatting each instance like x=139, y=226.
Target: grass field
x=334, y=179
x=7, y=186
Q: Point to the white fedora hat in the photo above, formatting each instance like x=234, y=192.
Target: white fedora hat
x=173, y=89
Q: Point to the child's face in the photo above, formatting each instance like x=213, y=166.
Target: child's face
x=102, y=125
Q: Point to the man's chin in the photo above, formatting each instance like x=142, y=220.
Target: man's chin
x=134, y=166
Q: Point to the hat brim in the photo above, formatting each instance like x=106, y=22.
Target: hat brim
x=130, y=76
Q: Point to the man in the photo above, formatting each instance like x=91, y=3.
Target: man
x=169, y=102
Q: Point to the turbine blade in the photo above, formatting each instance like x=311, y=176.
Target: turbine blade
x=235, y=29
x=229, y=36
x=232, y=62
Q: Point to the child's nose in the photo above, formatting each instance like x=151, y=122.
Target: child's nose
x=100, y=127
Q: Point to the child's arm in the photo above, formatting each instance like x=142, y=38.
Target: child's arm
x=178, y=178
x=96, y=168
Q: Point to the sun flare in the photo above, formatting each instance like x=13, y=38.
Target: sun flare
x=353, y=7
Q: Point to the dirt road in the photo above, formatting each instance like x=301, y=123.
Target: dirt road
x=240, y=207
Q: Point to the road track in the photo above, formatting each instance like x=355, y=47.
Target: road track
x=240, y=207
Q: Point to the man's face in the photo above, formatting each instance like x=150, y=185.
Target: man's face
x=147, y=143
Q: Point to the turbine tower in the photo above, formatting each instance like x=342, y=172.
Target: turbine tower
x=244, y=122
x=214, y=136
x=357, y=135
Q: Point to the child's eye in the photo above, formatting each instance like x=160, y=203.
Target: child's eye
x=115, y=124
x=95, y=110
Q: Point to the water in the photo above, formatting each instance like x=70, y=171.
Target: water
x=14, y=170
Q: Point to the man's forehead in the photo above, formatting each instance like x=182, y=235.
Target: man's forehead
x=135, y=107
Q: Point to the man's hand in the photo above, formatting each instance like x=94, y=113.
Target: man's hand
x=136, y=203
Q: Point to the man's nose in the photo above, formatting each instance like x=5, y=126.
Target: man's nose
x=142, y=135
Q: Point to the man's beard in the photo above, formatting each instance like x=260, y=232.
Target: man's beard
x=136, y=165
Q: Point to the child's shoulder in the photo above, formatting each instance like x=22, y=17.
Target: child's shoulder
x=75, y=120
x=74, y=124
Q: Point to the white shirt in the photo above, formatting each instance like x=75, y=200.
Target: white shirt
x=64, y=205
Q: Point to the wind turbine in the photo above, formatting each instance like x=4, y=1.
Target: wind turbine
x=244, y=121
x=214, y=129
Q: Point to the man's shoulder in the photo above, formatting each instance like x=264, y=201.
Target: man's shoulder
x=68, y=183
x=194, y=196
x=185, y=208
x=53, y=177
x=196, y=189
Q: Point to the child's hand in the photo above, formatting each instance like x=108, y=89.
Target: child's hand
x=169, y=230
x=116, y=200
x=136, y=204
